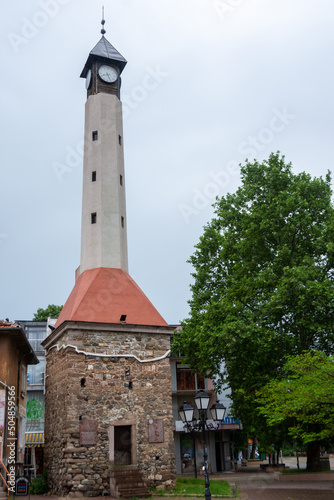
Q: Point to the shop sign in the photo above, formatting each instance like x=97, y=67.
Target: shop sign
x=22, y=486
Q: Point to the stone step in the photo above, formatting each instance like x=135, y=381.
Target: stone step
x=127, y=473
x=135, y=493
x=132, y=490
x=129, y=480
x=133, y=478
x=129, y=484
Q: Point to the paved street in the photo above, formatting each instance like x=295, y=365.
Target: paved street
x=289, y=494
x=254, y=484
x=263, y=486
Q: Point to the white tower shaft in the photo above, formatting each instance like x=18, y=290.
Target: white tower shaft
x=103, y=226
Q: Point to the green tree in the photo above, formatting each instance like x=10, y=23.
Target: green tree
x=303, y=399
x=263, y=283
x=50, y=311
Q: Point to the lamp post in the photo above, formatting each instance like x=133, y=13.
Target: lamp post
x=186, y=412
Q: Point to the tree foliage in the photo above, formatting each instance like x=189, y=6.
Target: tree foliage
x=263, y=281
x=303, y=398
x=51, y=311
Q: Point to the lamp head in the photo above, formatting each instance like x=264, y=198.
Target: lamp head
x=186, y=412
x=218, y=411
x=202, y=400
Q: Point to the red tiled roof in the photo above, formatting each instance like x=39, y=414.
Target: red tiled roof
x=102, y=295
x=8, y=324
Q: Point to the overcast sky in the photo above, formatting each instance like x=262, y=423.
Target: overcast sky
x=208, y=84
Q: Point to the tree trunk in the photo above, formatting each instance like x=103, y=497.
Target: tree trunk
x=313, y=456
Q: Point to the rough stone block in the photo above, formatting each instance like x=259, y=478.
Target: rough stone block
x=78, y=477
x=75, y=494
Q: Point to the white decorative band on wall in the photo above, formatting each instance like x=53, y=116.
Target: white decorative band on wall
x=101, y=355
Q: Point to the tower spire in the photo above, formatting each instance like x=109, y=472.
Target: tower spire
x=103, y=31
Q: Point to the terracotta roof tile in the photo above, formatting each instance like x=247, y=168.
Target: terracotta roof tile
x=103, y=295
x=8, y=324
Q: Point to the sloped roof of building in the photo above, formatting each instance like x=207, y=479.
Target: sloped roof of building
x=104, y=295
x=15, y=332
x=104, y=49
x=104, y=52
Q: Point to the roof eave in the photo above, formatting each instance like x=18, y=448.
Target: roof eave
x=27, y=350
x=92, y=58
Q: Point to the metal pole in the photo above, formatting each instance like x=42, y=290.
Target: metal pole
x=205, y=452
x=194, y=453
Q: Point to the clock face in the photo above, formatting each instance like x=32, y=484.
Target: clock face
x=88, y=79
x=108, y=74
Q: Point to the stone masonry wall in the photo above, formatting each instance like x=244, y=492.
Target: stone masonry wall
x=83, y=387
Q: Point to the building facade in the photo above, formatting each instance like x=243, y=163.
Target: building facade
x=36, y=332
x=189, y=446
x=16, y=355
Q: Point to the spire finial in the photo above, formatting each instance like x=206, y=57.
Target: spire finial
x=103, y=31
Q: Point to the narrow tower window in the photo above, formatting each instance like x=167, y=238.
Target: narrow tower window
x=94, y=176
x=95, y=135
x=93, y=218
x=122, y=221
x=121, y=180
x=120, y=140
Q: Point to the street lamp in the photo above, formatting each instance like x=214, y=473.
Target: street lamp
x=186, y=412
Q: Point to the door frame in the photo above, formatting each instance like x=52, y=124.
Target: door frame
x=131, y=421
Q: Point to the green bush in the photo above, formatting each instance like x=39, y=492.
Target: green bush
x=39, y=485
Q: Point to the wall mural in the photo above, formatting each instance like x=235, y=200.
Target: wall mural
x=35, y=409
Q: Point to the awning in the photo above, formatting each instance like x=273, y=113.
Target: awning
x=34, y=439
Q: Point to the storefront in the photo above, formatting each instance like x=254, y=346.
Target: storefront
x=34, y=450
x=189, y=448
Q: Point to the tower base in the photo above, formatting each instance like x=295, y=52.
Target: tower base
x=108, y=409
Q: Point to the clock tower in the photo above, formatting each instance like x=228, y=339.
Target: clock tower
x=108, y=390
x=103, y=226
